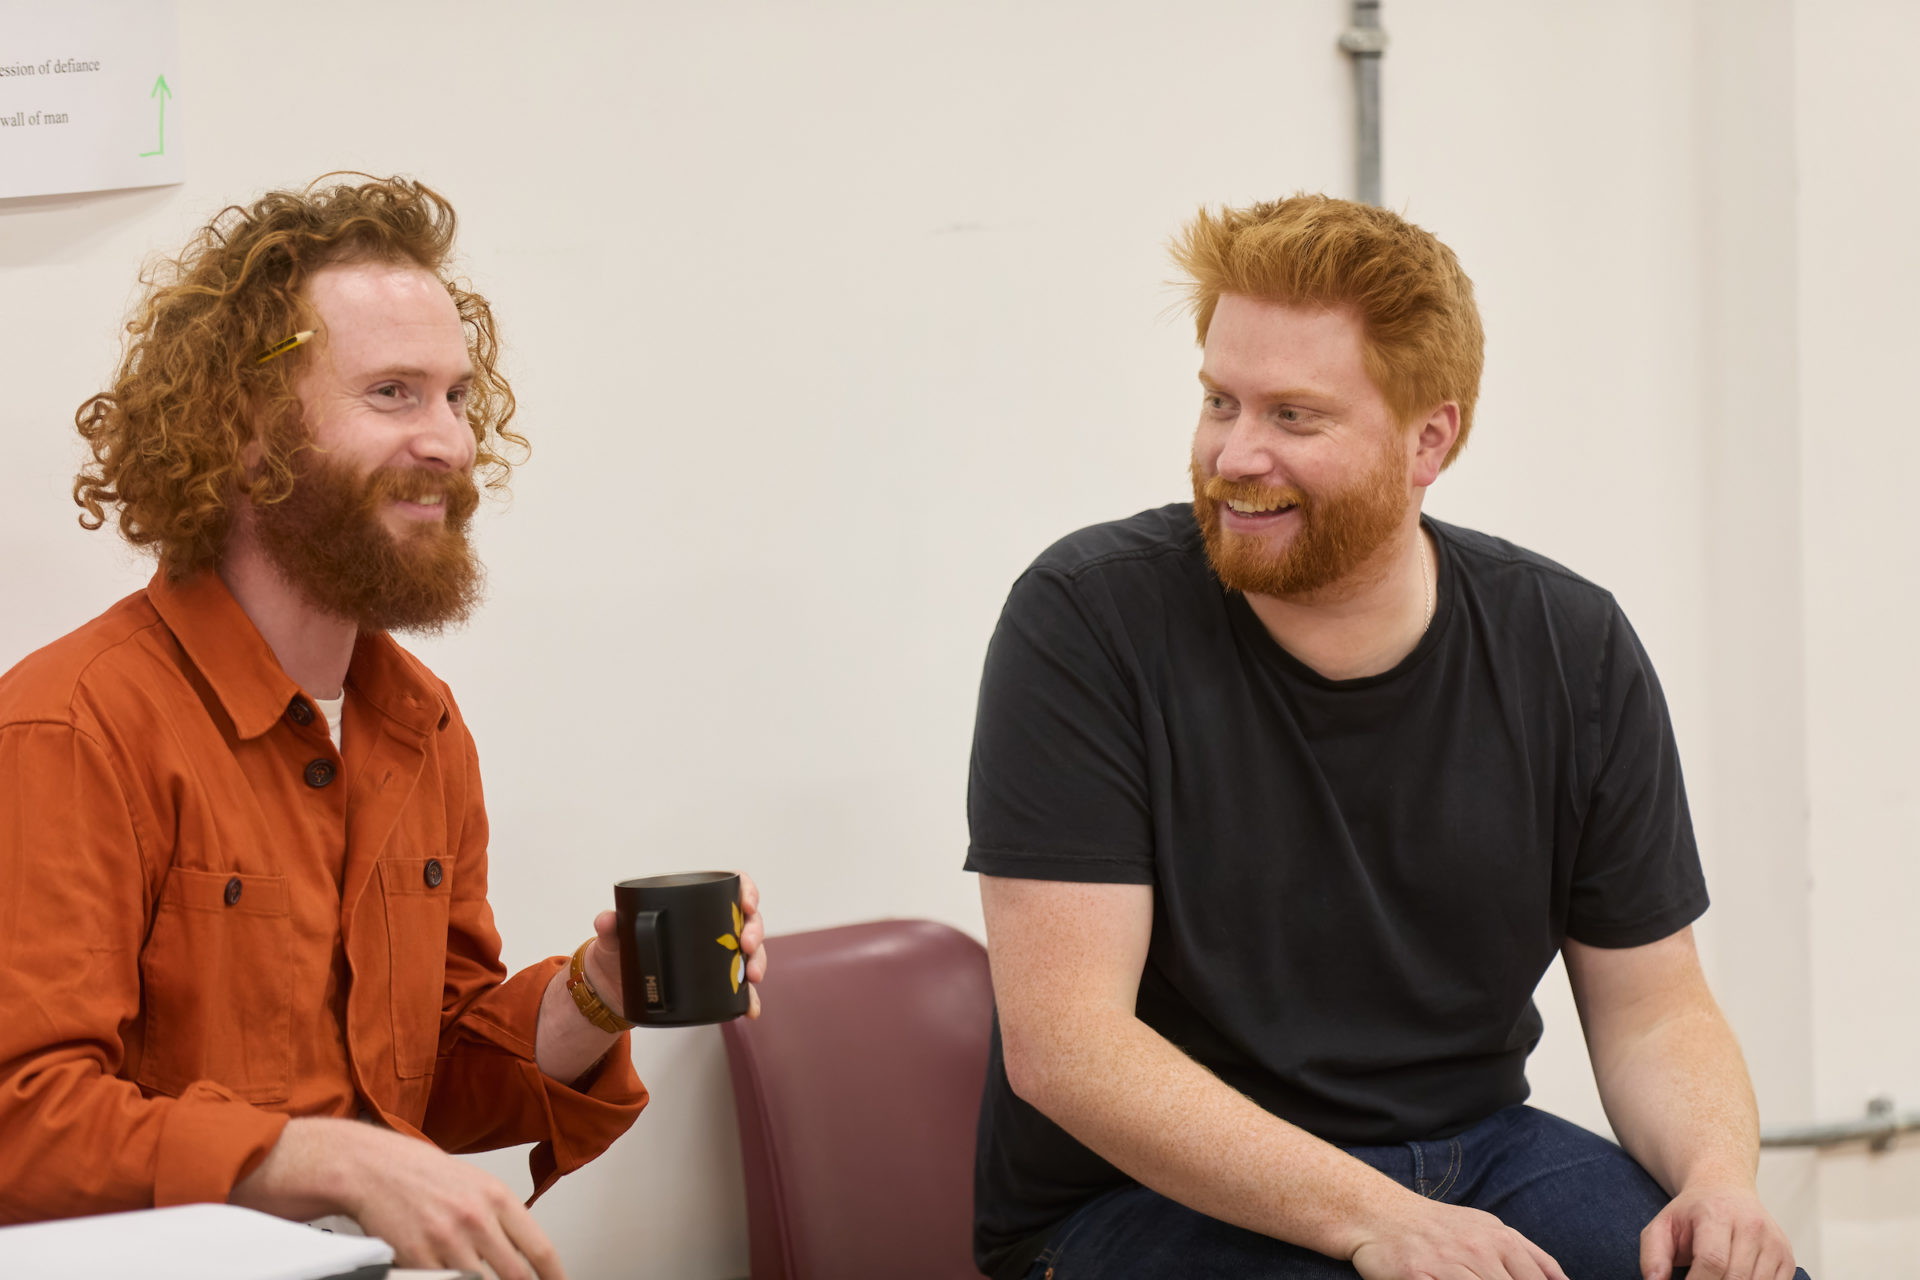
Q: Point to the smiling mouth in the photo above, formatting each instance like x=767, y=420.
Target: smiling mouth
x=1257, y=509
x=425, y=507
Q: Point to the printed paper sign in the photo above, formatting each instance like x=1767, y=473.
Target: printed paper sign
x=86, y=93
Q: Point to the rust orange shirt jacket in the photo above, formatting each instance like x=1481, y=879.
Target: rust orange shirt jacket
x=211, y=921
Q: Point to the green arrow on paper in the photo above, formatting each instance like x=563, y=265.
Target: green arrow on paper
x=161, y=92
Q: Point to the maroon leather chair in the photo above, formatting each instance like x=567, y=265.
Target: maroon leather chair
x=858, y=1089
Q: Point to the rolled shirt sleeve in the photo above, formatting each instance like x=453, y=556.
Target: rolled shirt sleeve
x=488, y=1091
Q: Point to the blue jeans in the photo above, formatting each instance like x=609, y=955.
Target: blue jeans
x=1578, y=1196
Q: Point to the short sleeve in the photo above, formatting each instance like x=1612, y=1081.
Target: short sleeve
x=1637, y=876
x=1058, y=786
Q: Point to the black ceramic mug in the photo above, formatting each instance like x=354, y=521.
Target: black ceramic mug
x=680, y=959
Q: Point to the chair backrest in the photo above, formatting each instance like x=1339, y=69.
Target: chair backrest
x=858, y=1092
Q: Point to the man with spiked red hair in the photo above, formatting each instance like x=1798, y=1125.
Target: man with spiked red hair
x=1284, y=800
x=243, y=850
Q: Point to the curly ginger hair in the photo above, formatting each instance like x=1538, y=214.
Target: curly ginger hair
x=169, y=440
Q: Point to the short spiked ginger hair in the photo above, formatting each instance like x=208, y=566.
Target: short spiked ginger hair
x=1423, y=342
x=168, y=440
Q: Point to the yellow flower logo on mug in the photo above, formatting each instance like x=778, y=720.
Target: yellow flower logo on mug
x=731, y=941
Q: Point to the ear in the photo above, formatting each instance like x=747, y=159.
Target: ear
x=1433, y=439
x=253, y=418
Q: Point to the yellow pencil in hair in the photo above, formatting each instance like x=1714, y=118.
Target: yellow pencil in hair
x=285, y=345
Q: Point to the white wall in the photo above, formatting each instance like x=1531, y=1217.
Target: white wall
x=1859, y=274
x=826, y=317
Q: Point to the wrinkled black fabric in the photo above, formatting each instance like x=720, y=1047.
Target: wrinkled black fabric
x=1357, y=883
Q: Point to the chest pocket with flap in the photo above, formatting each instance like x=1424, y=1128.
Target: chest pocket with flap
x=416, y=892
x=217, y=986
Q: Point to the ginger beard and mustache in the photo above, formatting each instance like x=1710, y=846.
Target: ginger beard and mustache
x=1339, y=531
x=327, y=538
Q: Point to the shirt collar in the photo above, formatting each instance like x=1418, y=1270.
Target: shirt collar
x=241, y=668
x=396, y=683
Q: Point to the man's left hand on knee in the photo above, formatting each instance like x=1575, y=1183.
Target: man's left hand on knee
x=1722, y=1232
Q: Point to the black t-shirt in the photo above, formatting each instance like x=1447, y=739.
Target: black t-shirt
x=1357, y=883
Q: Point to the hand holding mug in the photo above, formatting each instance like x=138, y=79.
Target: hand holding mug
x=667, y=922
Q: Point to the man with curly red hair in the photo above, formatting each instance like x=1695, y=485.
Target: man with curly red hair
x=243, y=849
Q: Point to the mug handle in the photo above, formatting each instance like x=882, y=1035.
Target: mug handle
x=646, y=947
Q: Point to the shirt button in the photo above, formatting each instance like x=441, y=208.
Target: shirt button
x=433, y=873
x=232, y=895
x=319, y=773
x=299, y=712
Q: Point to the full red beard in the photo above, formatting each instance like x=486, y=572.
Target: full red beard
x=328, y=539
x=1339, y=531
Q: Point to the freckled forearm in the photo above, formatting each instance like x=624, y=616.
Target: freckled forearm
x=1680, y=1100
x=308, y=1171
x=1066, y=962
x=1112, y=1083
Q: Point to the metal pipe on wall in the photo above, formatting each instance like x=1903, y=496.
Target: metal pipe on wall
x=1878, y=1129
x=1365, y=41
